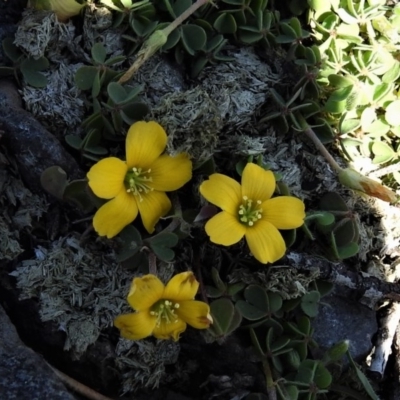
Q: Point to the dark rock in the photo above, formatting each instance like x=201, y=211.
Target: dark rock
x=11, y=10
x=24, y=375
x=341, y=317
x=34, y=147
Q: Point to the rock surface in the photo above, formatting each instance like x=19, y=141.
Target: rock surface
x=34, y=147
x=342, y=318
x=24, y=375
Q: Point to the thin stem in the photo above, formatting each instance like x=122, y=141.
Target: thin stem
x=78, y=387
x=152, y=263
x=157, y=40
x=271, y=390
x=318, y=144
x=186, y=14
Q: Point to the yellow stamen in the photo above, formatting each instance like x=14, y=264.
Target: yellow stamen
x=137, y=182
x=164, y=310
x=248, y=211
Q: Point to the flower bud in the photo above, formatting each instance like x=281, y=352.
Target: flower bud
x=354, y=180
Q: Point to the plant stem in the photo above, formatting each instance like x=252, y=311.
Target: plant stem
x=186, y=14
x=152, y=263
x=269, y=380
x=78, y=387
x=157, y=40
x=318, y=144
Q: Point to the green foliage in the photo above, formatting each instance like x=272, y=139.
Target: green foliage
x=30, y=68
x=334, y=227
x=133, y=246
x=115, y=107
x=54, y=180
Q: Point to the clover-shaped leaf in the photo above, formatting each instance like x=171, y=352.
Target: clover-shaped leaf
x=225, y=318
x=161, y=245
x=309, y=303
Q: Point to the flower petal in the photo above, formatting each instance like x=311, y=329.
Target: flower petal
x=222, y=191
x=195, y=313
x=170, y=173
x=170, y=330
x=106, y=178
x=284, y=212
x=265, y=242
x=136, y=326
x=145, y=141
x=182, y=286
x=145, y=292
x=257, y=183
x=152, y=207
x=225, y=229
x=114, y=215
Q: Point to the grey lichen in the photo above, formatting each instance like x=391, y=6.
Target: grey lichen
x=143, y=363
x=59, y=104
x=80, y=287
x=239, y=88
x=192, y=122
x=19, y=209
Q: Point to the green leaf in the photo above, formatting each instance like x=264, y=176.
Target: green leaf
x=194, y=38
x=346, y=17
x=225, y=317
x=225, y=24
x=6, y=71
x=322, y=377
x=99, y=53
x=116, y=92
x=332, y=201
x=131, y=243
x=77, y=193
x=393, y=73
x=392, y=113
x=40, y=64
x=349, y=250
x=54, y=181
x=173, y=37
x=34, y=78
x=256, y=304
x=180, y=6
x=30, y=70
x=134, y=112
x=309, y=303
x=383, y=152
x=85, y=76
x=167, y=239
x=363, y=379
x=161, y=245
x=11, y=50
x=74, y=141
x=217, y=280
x=96, y=84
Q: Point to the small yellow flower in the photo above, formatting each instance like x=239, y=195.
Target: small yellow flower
x=137, y=185
x=248, y=210
x=163, y=311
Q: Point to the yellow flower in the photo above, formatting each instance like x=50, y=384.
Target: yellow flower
x=248, y=210
x=163, y=311
x=137, y=185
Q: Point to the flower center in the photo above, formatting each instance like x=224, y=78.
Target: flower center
x=164, y=310
x=249, y=211
x=137, y=182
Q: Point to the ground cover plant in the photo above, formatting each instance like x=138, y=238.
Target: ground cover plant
x=224, y=184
